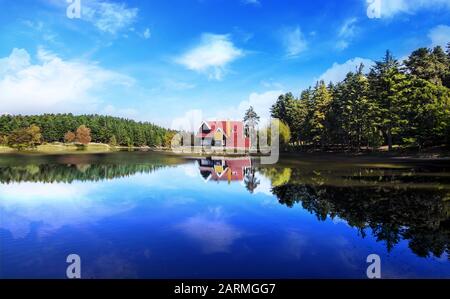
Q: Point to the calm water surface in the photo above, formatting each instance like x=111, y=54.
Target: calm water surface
x=148, y=215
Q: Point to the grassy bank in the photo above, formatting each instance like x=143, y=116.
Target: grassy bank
x=380, y=153
x=5, y=149
x=52, y=148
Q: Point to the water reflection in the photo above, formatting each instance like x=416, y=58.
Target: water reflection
x=224, y=169
x=420, y=216
x=240, y=169
x=142, y=209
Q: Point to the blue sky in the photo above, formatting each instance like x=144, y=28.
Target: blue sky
x=173, y=61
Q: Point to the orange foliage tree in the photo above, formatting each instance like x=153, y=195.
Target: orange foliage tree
x=69, y=137
x=83, y=135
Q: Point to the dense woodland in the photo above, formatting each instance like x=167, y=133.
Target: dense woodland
x=15, y=129
x=393, y=103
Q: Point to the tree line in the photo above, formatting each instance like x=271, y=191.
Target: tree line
x=62, y=173
x=394, y=103
x=31, y=130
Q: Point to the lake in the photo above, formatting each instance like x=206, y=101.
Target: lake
x=154, y=215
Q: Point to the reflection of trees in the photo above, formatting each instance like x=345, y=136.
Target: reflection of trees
x=351, y=175
x=418, y=215
x=250, y=180
x=277, y=176
x=50, y=173
x=395, y=203
x=69, y=168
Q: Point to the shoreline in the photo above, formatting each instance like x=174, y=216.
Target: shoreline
x=62, y=148
x=100, y=148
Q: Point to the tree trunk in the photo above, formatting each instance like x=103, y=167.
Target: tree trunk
x=389, y=139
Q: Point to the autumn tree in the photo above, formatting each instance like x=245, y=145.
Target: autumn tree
x=83, y=135
x=69, y=137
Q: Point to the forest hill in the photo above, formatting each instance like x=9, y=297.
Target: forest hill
x=394, y=103
x=28, y=131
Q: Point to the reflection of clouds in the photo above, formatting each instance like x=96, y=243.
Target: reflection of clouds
x=211, y=230
x=110, y=266
x=169, y=178
x=264, y=186
x=53, y=206
x=338, y=220
x=173, y=201
x=347, y=255
x=30, y=191
x=295, y=244
x=190, y=170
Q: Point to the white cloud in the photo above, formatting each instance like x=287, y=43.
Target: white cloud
x=440, y=36
x=38, y=26
x=346, y=33
x=261, y=102
x=252, y=2
x=190, y=121
x=293, y=41
x=348, y=28
x=211, y=230
x=52, y=84
x=338, y=71
x=342, y=44
x=390, y=8
x=211, y=56
x=172, y=85
x=107, y=16
x=54, y=206
x=147, y=33
x=18, y=60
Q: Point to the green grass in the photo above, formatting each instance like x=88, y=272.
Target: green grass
x=5, y=149
x=57, y=147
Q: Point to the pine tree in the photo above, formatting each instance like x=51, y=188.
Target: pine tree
x=386, y=84
x=321, y=100
x=251, y=120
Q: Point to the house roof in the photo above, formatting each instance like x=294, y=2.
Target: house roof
x=223, y=125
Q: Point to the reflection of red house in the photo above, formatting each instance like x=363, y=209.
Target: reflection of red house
x=224, y=169
x=228, y=134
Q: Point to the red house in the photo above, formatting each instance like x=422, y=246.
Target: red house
x=224, y=169
x=227, y=134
